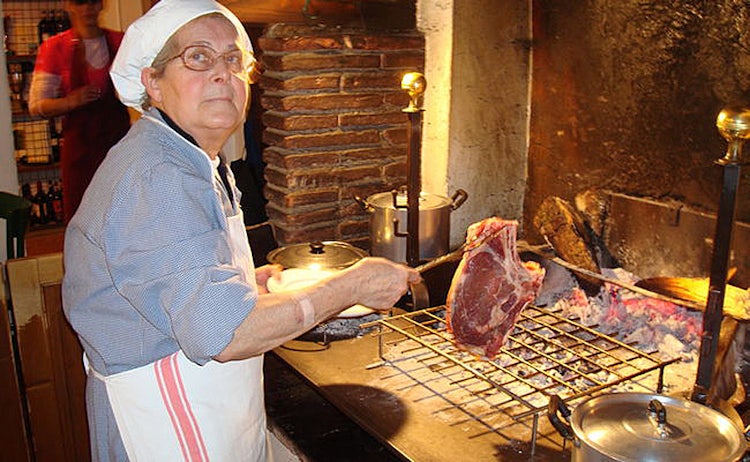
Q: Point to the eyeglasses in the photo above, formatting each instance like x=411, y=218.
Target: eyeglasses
x=239, y=62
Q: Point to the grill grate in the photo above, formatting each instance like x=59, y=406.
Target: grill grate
x=546, y=354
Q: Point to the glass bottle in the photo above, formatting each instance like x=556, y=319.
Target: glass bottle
x=40, y=200
x=46, y=26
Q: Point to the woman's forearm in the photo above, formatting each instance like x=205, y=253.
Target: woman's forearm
x=373, y=282
x=280, y=317
x=51, y=107
x=54, y=106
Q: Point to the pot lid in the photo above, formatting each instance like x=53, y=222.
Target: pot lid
x=641, y=426
x=317, y=255
x=427, y=201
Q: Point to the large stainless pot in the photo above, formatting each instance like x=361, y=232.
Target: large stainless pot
x=389, y=208
x=637, y=427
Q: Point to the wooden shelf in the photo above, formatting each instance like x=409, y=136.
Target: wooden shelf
x=19, y=58
x=22, y=168
x=25, y=117
x=44, y=239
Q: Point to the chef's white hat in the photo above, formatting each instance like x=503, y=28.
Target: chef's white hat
x=148, y=34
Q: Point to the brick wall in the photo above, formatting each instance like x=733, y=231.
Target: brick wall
x=334, y=126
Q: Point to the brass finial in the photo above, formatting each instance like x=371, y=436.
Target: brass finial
x=414, y=83
x=733, y=123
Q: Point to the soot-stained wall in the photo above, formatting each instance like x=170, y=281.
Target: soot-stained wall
x=625, y=95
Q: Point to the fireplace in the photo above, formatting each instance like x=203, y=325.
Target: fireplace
x=522, y=102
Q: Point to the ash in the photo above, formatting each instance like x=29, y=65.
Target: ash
x=666, y=329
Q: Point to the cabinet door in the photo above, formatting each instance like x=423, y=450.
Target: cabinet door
x=50, y=360
x=13, y=439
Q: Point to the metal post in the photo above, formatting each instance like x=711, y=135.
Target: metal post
x=415, y=84
x=734, y=125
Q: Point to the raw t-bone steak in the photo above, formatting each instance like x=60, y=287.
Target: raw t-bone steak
x=490, y=288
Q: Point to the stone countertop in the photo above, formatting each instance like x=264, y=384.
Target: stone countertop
x=414, y=420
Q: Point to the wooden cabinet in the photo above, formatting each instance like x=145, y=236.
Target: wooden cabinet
x=13, y=440
x=52, y=381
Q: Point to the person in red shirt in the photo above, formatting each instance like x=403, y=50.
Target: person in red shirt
x=71, y=79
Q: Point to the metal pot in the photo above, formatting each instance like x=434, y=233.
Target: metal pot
x=389, y=219
x=317, y=255
x=635, y=427
x=326, y=256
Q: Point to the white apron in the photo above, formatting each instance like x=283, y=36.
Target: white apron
x=175, y=410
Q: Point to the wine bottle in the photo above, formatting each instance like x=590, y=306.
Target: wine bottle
x=45, y=28
x=57, y=204
x=40, y=200
x=35, y=214
x=26, y=194
x=49, y=202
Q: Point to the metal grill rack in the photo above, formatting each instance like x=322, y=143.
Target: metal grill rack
x=546, y=354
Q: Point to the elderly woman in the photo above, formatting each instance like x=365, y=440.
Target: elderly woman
x=159, y=282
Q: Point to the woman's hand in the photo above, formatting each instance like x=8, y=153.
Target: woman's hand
x=264, y=273
x=83, y=95
x=379, y=283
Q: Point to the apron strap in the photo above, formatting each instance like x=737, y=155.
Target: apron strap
x=225, y=179
x=90, y=370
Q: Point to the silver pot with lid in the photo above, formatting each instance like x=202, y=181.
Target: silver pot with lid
x=309, y=262
x=627, y=427
x=388, y=223
x=317, y=255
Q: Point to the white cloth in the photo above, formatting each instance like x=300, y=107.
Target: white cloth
x=234, y=147
x=176, y=410
x=146, y=36
x=97, y=51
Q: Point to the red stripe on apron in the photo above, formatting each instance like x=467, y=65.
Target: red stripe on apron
x=190, y=416
x=168, y=407
x=180, y=412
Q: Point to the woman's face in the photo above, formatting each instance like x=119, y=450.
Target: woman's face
x=203, y=103
x=84, y=13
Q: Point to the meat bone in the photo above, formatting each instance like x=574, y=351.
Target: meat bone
x=456, y=254
x=419, y=292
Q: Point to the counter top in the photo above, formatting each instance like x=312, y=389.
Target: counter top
x=409, y=414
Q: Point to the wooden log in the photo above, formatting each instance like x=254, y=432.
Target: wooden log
x=564, y=229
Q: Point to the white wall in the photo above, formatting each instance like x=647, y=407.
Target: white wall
x=435, y=21
x=118, y=15
x=476, y=105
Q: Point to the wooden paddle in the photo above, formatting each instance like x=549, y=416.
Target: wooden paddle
x=695, y=290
